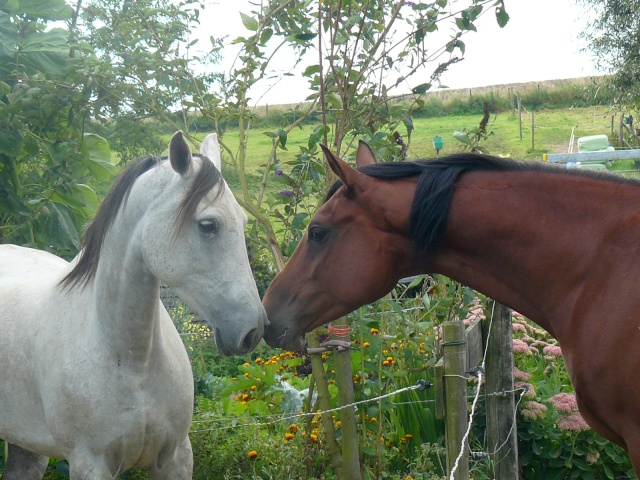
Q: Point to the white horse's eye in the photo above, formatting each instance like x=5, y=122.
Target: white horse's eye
x=209, y=226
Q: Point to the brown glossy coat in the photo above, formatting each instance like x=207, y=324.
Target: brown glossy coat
x=562, y=249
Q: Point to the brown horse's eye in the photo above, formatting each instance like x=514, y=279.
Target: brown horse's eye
x=317, y=234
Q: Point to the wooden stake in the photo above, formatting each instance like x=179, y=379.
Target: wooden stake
x=455, y=385
x=502, y=435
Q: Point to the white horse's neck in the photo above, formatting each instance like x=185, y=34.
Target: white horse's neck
x=126, y=294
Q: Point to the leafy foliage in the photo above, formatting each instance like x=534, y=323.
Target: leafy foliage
x=554, y=443
x=144, y=68
x=614, y=38
x=46, y=159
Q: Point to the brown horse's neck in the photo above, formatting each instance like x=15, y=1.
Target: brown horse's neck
x=533, y=240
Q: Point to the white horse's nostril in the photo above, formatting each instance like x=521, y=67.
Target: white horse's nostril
x=250, y=340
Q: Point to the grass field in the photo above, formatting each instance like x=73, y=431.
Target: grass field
x=551, y=135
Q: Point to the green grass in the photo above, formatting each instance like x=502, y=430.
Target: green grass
x=551, y=135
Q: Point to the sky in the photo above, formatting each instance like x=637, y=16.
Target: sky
x=540, y=42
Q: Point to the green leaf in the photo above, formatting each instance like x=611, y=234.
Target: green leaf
x=11, y=141
x=463, y=23
x=259, y=407
x=420, y=89
x=282, y=138
x=298, y=220
x=44, y=9
x=462, y=137
x=334, y=100
x=96, y=155
x=305, y=37
x=45, y=52
x=311, y=70
x=63, y=228
x=8, y=35
x=408, y=123
x=250, y=23
x=266, y=35
x=502, y=16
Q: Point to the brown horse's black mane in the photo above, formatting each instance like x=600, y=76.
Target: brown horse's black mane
x=207, y=177
x=437, y=178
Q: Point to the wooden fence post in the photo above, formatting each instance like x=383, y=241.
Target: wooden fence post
x=502, y=435
x=324, y=401
x=520, y=114
x=344, y=381
x=533, y=129
x=455, y=386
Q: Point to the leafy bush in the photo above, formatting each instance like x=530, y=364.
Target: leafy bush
x=554, y=440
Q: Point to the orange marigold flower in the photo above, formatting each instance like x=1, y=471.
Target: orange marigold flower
x=252, y=454
x=254, y=388
x=386, y=363
x=289, y=436
x=408, y=436
x=313, y=437
x=293, y=428
x=373, y=420
x=366, y=344
x=338, y=423
x=259, y=361
x=245, y=396
x=374, y=331
x=245, y=364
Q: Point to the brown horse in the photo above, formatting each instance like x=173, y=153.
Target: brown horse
x=560, y=246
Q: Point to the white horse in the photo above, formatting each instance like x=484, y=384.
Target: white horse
x=92, y=369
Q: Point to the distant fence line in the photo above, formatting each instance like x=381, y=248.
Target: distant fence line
x=446, y=94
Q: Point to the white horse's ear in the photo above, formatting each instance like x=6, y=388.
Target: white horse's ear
x=364, y=155
x=180, y=153
x=211, y=149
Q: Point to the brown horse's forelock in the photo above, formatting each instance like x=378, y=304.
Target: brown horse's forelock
x=436, y=181
x=206, y=178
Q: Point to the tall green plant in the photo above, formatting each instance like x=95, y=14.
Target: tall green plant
x=146, y=69
x=365, y=50
x=47, y=158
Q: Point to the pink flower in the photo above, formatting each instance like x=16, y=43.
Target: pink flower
x=520, y=375
x=518, y=327
x=564, y=402
x=519, y=346
x=553, y=350
x=533, y=410
x=572, y=422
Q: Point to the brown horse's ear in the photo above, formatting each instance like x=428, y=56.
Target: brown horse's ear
x=179, y=153
x=342, y=169
x=364, y=155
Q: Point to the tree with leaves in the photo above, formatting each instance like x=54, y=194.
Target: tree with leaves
x=614, y=37
x=47, y=157
x=356, y=57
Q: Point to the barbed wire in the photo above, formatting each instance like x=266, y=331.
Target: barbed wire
x=420, y=385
